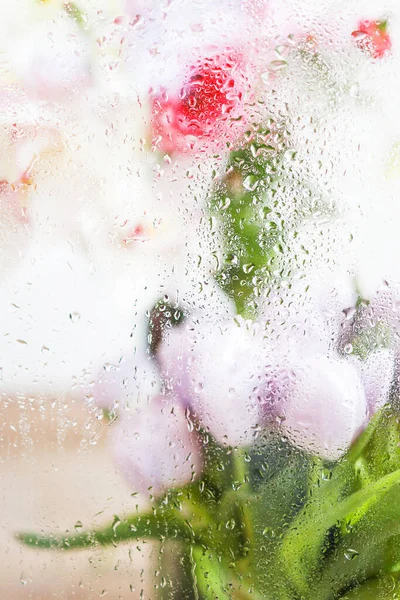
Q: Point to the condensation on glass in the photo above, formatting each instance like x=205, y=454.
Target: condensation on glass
x=200, y=299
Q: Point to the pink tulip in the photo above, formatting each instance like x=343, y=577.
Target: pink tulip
x=217, y=369
x=156, y=448
x=197, y=75
x=209, y=108
x=325, y=406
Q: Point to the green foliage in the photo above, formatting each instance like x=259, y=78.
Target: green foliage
x=278, y=524
x=257, y=208
x=248, y=217
x=347, y=532
x=368, y=340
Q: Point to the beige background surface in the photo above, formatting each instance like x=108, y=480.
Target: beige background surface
x=52, y=475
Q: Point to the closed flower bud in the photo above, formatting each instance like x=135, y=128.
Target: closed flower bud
x=216, y=368
x=325, y=407
x=155, y=447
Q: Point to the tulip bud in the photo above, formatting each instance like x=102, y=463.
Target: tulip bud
x=216, y=368
x=325, y=407
x=156, y=448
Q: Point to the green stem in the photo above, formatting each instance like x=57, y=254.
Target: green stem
x=158, y=525
x=240, y=472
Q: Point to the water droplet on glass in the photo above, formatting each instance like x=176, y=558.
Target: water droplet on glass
x=278, y=65
x=247, y=268
x=231, y=259
x=351, y=554
x=78, y=526
x=250, y=183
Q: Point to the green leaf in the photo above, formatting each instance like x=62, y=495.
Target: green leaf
x=163, y=316
x=211, y=583
x=384, y=588
x=362, y=441
x=280, y=475
x=250, y=226
x=160, y=524
x=382, y=454
x=216, y=580
x=321, y=547
x=302, y=547
x=368, y=340
x=175, y=572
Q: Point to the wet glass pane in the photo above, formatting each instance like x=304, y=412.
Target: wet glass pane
x=200, y=299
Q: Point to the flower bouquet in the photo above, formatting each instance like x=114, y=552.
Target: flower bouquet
x=204, y=197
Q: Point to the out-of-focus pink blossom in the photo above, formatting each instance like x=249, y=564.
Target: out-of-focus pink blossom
x=325, y=406
x=156, y=448
x=23, y=142
x=208, y=109
x=12, y=205
x=257, y=9
x=52, y=60
x=217, y=369
x=14, y=222
x=373, y=37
